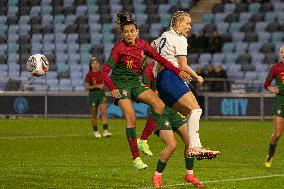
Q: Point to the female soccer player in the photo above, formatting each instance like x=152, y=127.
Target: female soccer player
x=174, y=123
x=125, y=62
x=276, y=72
x=172, y=45
x=96, y=98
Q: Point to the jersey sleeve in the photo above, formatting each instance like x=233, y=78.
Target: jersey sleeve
x=108, y=66
x=87, y=79
x=151, y=52
x=113, y=57
x=181, y=47
x=271, y=75
x=106, y=69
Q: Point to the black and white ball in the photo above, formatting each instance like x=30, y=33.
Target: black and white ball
x=38, y=65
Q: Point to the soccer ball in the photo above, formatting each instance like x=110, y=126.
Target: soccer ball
x=38, y=65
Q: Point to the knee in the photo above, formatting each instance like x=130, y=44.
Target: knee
x=159, y=107
x=172, y=147
x=277, y=135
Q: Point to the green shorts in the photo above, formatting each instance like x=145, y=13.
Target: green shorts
x=97, y=97
x=172, y=120
x=278, y=106
x=130, y=90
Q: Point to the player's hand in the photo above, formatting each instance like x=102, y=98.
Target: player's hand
x=200, y=80
x=274, y=90
x=101, y=86
x=115, y=93
x=184, y=76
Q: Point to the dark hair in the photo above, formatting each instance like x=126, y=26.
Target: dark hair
x=125, y=18
x=91, y=60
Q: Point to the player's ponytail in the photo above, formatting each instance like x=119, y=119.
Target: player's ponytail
x=125, y=18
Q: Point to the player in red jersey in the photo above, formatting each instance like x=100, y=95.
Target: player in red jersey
x=125, y=61
x=96, y=98
x=276, y=72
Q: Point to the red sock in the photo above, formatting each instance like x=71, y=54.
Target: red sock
x=133, y=147
x=148, y=129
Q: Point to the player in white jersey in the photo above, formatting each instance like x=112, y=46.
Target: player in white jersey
x=172, y=45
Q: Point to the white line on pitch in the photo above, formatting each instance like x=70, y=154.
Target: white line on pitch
x=225, y=180
x=38, y=136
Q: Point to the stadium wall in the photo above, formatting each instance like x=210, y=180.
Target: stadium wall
x=214, y=105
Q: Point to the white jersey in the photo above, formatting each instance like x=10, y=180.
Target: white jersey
x=171, y=45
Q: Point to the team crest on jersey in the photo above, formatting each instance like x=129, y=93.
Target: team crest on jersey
x=124, y=92
x=167, y=124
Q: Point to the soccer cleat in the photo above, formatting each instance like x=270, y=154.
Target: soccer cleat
x=207, y=154
x=268, y=162
x=144, y=147
x=190, y=178
x=138, y=164
x=106, y=133
x=194, y=151
x=97, y=134
x=157, y=181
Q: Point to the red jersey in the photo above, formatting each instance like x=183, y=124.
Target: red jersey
x=276, y=72
x=94, y=78
x=125, y=61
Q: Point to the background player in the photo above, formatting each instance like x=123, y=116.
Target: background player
x=276, y=72
x=96, y=97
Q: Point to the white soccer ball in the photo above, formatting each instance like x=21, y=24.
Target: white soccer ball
x=38, y=65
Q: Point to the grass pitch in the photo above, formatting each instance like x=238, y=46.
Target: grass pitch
x=62, y=153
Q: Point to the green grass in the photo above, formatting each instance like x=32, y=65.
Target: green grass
x=62, y=153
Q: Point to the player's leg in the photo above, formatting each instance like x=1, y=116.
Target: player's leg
x=189, y=160
x=129, y=114
x=147, y=131
x=278, y=123
x=147, y=96
x=167, y=136
x=103, y=109
x=94, y=116
x=188, y=104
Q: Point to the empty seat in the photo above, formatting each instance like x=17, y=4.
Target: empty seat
x=257, y=17
x=250, y=37
x=267, y=48
x=241, y=47
x=244, y=58
x=254, y=7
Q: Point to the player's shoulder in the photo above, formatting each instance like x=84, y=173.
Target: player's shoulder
x=141, y=41
x=118, y=45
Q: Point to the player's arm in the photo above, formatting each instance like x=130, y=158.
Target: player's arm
x=270, y=76
x=151, y=52
x=107, y=67
x=90, y=87
x=184, y=66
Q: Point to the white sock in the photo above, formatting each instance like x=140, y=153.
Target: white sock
x=189, y=172
x=157, y=173
x=193, y=128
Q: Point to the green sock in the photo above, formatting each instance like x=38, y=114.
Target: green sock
x=160, y=166
x=271, y=151
x=189, y=163
x=105, y=126
x=95, y=128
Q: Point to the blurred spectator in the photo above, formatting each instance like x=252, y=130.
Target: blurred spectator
x=210, y=74
x=215, y=43
x=221, y=86
x=201, y=42
x=191, y=40
x=193, y=85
